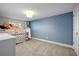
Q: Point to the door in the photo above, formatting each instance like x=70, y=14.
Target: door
x=76, y=29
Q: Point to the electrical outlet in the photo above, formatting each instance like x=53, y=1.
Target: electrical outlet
x=46, y=37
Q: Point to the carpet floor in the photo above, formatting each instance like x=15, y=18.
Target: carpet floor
x=38, y=48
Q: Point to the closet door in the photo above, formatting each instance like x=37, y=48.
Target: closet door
x=76, y=29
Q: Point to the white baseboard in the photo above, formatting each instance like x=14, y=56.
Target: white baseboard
x=75, y=49
x=52, y=42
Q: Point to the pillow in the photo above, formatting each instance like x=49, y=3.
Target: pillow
x=1, y=30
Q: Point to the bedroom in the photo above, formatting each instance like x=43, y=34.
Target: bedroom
x=42, y=29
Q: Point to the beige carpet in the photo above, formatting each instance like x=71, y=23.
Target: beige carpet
x=38, y=48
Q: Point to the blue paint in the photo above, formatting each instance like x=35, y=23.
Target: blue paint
x=3, y=20
x=57, y=28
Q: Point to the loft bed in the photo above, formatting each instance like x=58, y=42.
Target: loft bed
x=21, y=34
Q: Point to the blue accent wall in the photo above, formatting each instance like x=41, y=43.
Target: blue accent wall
x=57, y=28
x=3, y=20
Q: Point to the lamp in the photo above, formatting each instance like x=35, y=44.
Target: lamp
x=29, y=13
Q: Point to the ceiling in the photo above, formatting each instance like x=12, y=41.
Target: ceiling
x=41, y=10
